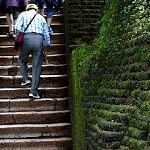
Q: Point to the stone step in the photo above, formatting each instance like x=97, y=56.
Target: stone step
x=46, y=70
x=35, y=117
x=57, y=19
x=56, y=49
x=64, y=143
x=53, y=92
x=39, y=124
x=35, y=131
x=56, y=38
x=53, y=49
x=50, y=59
x=49, y=104
x=45, y=81
x=56, y=27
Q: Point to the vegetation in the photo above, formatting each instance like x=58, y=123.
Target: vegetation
x=112, y=77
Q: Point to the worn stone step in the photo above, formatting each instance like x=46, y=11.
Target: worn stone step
x=53, y=92
x=35, y=117
x=53, y=59
x=53, y=49
x=56, y=38
x=46, y=70
x=59, y=48
x=56, y=27
x=53, y=69
x=45, y=81
x=35, y=130
x=57, y=18
x=50, y=59
x=40, y=124
x=49, y=104
x=64, y=143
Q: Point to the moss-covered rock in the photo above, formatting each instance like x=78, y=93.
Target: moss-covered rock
x=114, y=76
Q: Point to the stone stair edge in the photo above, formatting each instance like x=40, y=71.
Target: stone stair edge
x=34, y=140
x=36, y=131
x=44, y=65
x=34, y=125
x=27, y=99
x=44, y=112
x=42, y=76
x=26, y=105
x=61, y=143
x=16, y=56
x=48, y=55
x=40, y=88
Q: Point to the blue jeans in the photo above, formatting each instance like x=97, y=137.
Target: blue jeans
x=39, y=3
x=33, y=44
x=49, y=11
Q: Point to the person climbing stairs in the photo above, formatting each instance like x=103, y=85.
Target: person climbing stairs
x=41, y=124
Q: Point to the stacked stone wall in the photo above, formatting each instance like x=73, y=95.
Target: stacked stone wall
x=115, y=79
x=83, y=20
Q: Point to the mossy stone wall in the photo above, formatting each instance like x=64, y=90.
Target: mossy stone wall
x=114, y=78
x=82, y=20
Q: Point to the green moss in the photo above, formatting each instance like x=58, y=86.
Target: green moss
x=113, y=108
x=110, y=125
x=136, y=133
x=135, y=144
x=113, y=75
x=114, y=116
x=145, y=106
x=77, y=111
x=124, y=148
x=112, y=92
x=140, y=124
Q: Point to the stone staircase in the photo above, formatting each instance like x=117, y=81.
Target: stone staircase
x=42, y=124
